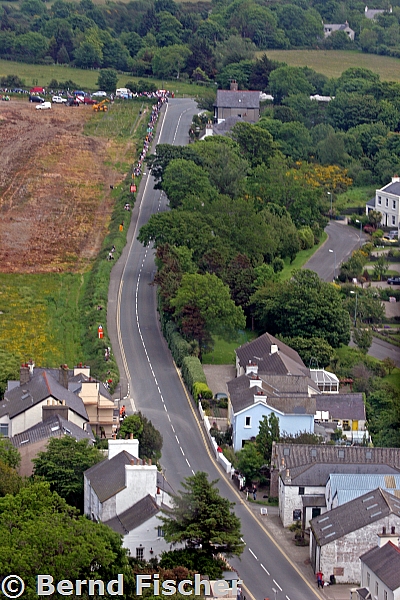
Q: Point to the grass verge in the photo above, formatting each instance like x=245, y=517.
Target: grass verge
x=301, y=258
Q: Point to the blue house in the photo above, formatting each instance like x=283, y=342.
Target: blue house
x=271, y=378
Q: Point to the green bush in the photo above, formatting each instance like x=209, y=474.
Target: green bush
x=192, y=372
x=194, y=560
x=203, y=389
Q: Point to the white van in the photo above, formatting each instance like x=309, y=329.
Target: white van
x=43, y=106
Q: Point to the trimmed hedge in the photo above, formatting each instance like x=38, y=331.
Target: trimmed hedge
x=192, y=372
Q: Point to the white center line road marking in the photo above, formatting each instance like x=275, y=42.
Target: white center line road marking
x=262, y=566
x=287, y=598
x=277, y=585
x=251, y=552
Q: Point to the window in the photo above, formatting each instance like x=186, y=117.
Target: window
x=4, y=429
x=393, y=220
x=376, y=588
x=385, y=595
x=301, y=491
x=160, y=532
x=140, y=553
x=387, y=201
x=315, y=512
x=368, y=579
x=297, y=515
x=379, y=200
x=394, y=204
x=247, y=422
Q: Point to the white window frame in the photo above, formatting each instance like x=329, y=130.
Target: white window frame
x=379, y=200
x=4, y=429
x=393, y=219
x=394, y=205
x=247, y=424
x=140, y=553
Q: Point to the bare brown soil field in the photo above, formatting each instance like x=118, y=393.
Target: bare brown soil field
x=54, y=189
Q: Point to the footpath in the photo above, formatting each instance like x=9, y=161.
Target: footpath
x=298, y=555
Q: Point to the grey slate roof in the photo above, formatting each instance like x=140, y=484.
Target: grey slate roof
x=226, y=125
x=392, y=188
x=56, y=426
x=364, y=593
x=134, y=516
x=384, y=562
x=342, y=406
x=317, y=474
x=237, y=99
x=242, y=396
x=295, y=455
x=107, y=477
x=39, y=388
x=258, y=351
x=163, y=484
x=354, y=515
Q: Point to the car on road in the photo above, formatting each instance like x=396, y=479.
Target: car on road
x=99, y=94
x=36, y=99
x=43, y=106
x=394, y=280
x=59, y=100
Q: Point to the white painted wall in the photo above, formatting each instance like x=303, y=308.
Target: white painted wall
x=140, y=480
x=117, y=446
x=147, y=535
x=290, y=500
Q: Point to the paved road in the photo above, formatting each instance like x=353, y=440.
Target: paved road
x=156, y=389
x=342, y=241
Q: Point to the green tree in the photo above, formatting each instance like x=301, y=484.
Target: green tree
x=211, y=303
x=311, y=350
x=48, y=536
x=62, y=465
x=9, y=455
x=150, y=439
x=170, y=61
x=201, y=517
x=304, y=307
x=267, y=433
x=249, y=462
x=9, y=368
x=10, y=481
x=380, y=267
x=285, y=81
x=362, y=337
x=256, y=144
x=107, y=80
x=183, y=178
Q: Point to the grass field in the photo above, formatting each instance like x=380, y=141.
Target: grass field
x=302, y=257
x=85, y=79
x=353, y=198
x=333, y=63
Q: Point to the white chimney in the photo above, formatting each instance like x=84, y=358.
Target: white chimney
x=395, y=179
x=251, y=368
x=255, y=381
x=260, y=396
x=274, y=348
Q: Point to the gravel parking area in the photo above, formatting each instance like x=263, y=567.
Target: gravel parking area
x=218, y=376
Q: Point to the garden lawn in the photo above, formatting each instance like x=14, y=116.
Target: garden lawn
x=355, y=197
x=224, y=350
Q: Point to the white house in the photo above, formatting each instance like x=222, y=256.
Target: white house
x=372, y=13
x=330, y=28
x=340, y=536
x=387, y=202
x=127, y=494
x=380, y=571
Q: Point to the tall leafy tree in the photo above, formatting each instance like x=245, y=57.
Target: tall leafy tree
x=48, y=536
x=9, y=455
x=267, y=433
x=201, y=517
x=250, y=460
x=62, y=465
x=150, y=439
x=305, y=307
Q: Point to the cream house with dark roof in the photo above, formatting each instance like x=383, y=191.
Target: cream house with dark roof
x=127, y=494
x=380, y=571
x=387, y=202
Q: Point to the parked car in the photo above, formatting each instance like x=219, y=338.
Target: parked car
x=36, y=99
x=59, y=100
x=89, y=100
x=99, y=94
x=220, y=396
x=394, y=280
x=43, y=106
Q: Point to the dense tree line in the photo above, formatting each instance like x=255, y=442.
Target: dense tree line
x=164, y=38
